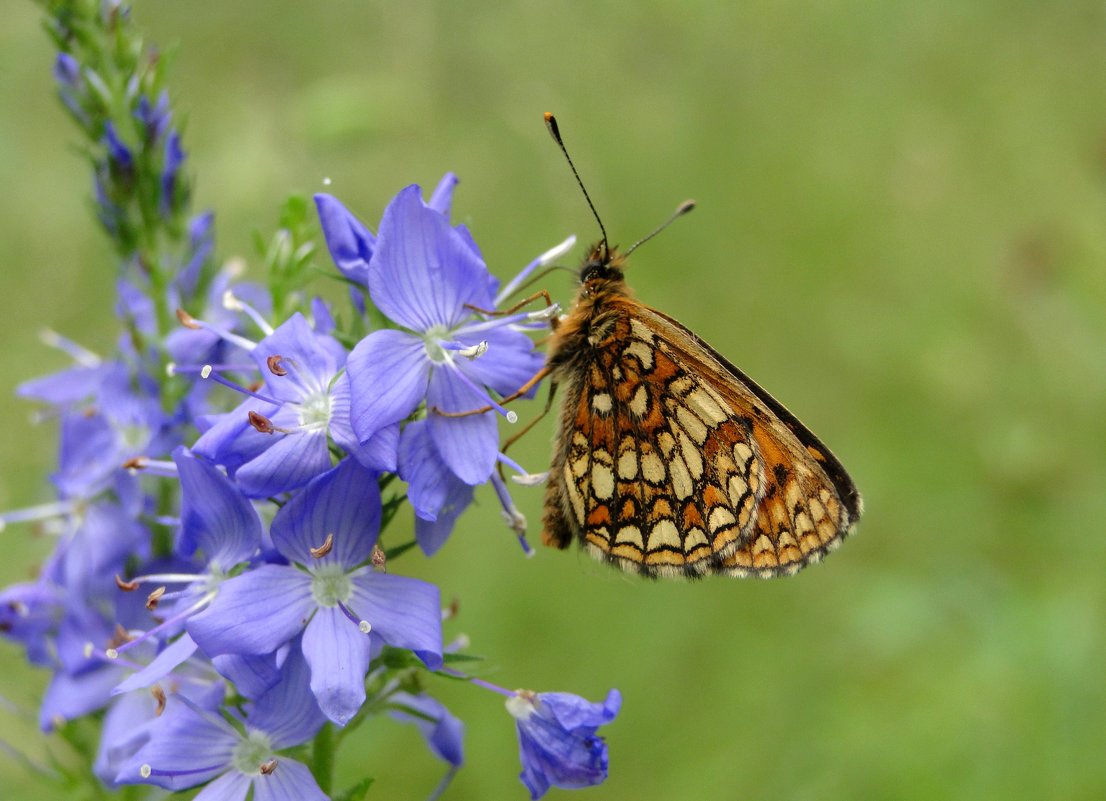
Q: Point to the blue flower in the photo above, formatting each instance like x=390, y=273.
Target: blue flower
x=329, y=591
x=557, y=742
x=154, y=119
x=119, y=155
x=443, y=732
x=172, y=162
x=278, y=442
x=191, y=745
x=428, y=277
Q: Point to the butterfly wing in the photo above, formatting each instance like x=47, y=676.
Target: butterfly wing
x=671, y=462
x=810, y=503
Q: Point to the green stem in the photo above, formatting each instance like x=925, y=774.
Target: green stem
x=322, y=758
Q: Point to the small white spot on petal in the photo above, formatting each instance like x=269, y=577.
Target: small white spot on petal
x=364, y=627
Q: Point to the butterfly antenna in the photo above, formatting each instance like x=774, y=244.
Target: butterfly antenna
x=680, y=211
x=555, y=132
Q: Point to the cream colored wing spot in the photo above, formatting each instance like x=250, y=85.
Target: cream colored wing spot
x=652, y=468
x=706, y=406
x=601, y=402
x=664, y=535
x=720, y=517
x=696, y=429
x=682, y=484
x=627, y=464
x=696, y=538
x=667, y=444
x=630, y=535
x=576, y=500
x=736, y=489
x=602, y=480
x=642, y=352
x=641, y=331
x=577, y=466
x=639, y=402
x=693, y=457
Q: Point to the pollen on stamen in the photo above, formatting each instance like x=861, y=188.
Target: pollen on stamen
x=511, y=417
x=187, y=320
x=322, y=550
x=111, y=653
x=154, y=598
x=88, y=650
x=146, y=771
x=231, y=302
x=267, y=768
x=364, y=627
x=261, y=423
x=125, y=586
x=159, y=697
x=171, y=369
x=274, y=364
x=474, y=351
x=205, y=371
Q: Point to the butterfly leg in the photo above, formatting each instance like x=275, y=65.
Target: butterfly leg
x=511, y=440
x=529, y=385
x=522, y=303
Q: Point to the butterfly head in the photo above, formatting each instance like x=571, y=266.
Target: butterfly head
x=602, y=264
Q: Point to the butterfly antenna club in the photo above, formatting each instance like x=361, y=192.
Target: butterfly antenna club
x=555, y=132
x=680, y=211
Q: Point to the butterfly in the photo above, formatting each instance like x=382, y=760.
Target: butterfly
x=670, y=461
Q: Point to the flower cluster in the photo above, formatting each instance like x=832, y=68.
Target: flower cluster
x=221, y=596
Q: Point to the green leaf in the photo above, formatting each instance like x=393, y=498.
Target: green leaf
x=356, y=792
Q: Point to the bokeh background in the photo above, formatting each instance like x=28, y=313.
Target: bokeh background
x=901, y=234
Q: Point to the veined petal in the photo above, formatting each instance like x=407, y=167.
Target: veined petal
x=350, y=243
x=343, y=503
x=162, y=665
x=338, y=654
x=379, y=451
x=231, y=786
x=309, y=362
x=442, y=197
x=468, y=445
x=291, y=461
x=254, y=613
x=423, y=272
x=215, y=516
x=291, y=781
x=422, y=468
x=432, y=534
x=444, y=733
x=183, y=742
x=287, y=712
x=388, y=372
x=405, y=612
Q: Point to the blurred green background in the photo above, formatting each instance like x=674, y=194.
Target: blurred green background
x=901, y=233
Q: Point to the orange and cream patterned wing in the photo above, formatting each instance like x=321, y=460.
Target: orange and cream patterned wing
x=673, y=462
x=808, y=503
x=657, y=474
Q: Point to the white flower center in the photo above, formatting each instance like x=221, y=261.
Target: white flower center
x=330, y=585
x=432, y=341
x=251, y=753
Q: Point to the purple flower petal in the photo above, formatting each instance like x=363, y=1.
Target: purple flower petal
x=338, y=653
x=254, y=613
x=215, y=517
x=442, y=197
x=443, y=732
x=231, y=786
x=290, y=462
x=287, y=713
x=186, y=748
x=432, y=534
x=405, y=612
x=252, y=676
x=162, y=665
x=468, y=445
x=423, y=272
x=389, y=372
x=509, y=362
x=350, y=243
x=379, y=451
x=291, y=781
x=343, y=502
